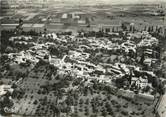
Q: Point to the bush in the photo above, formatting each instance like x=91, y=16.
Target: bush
x=35, y=102
x=125, y=113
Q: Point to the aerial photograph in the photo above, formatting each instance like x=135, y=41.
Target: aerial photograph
x=83, y=58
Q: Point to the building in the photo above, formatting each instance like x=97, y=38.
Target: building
x=112, y=26
x=140, y=82
x=81, y=22
x=75, y=18
x=144, y=97
x=4, y=89
x=126, y=93
x=26, y=27
x=67, y=19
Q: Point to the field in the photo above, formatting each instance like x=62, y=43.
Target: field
x=140, y=14
x=84, y=101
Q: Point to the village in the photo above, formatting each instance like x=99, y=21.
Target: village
x=125, y=64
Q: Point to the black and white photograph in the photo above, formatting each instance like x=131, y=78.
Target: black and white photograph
x=83, y=58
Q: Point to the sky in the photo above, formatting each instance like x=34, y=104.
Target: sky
x=115, y=1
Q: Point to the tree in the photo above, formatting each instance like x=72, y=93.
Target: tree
x=155, y=82
x=123, y=27
x=86, y=111
x=104, y=112
x=149, y=29
x=124, y=113
x=87, y=101
x=113, y=29
x=161, y=88
x=81, y=101
x=146, y=89
x=35, y=102
x=94, y=115
x=152, y=29
x=9, y=49
x=54, y=51
x=145, y=28
x=69, y=101
x=131, y=28
x=74, y=115
x=55, y=110
x=120, y=82
x=6, y=101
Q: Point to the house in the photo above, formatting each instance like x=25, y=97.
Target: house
x=126, y=93
x=81, y=22
x=64, y=16
x=139, y=82
x=128, y=46
x=148, y=41
x=150, y=61
x=4, y=89
x=151, y=53
x=114, y=69
x=144, y=97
